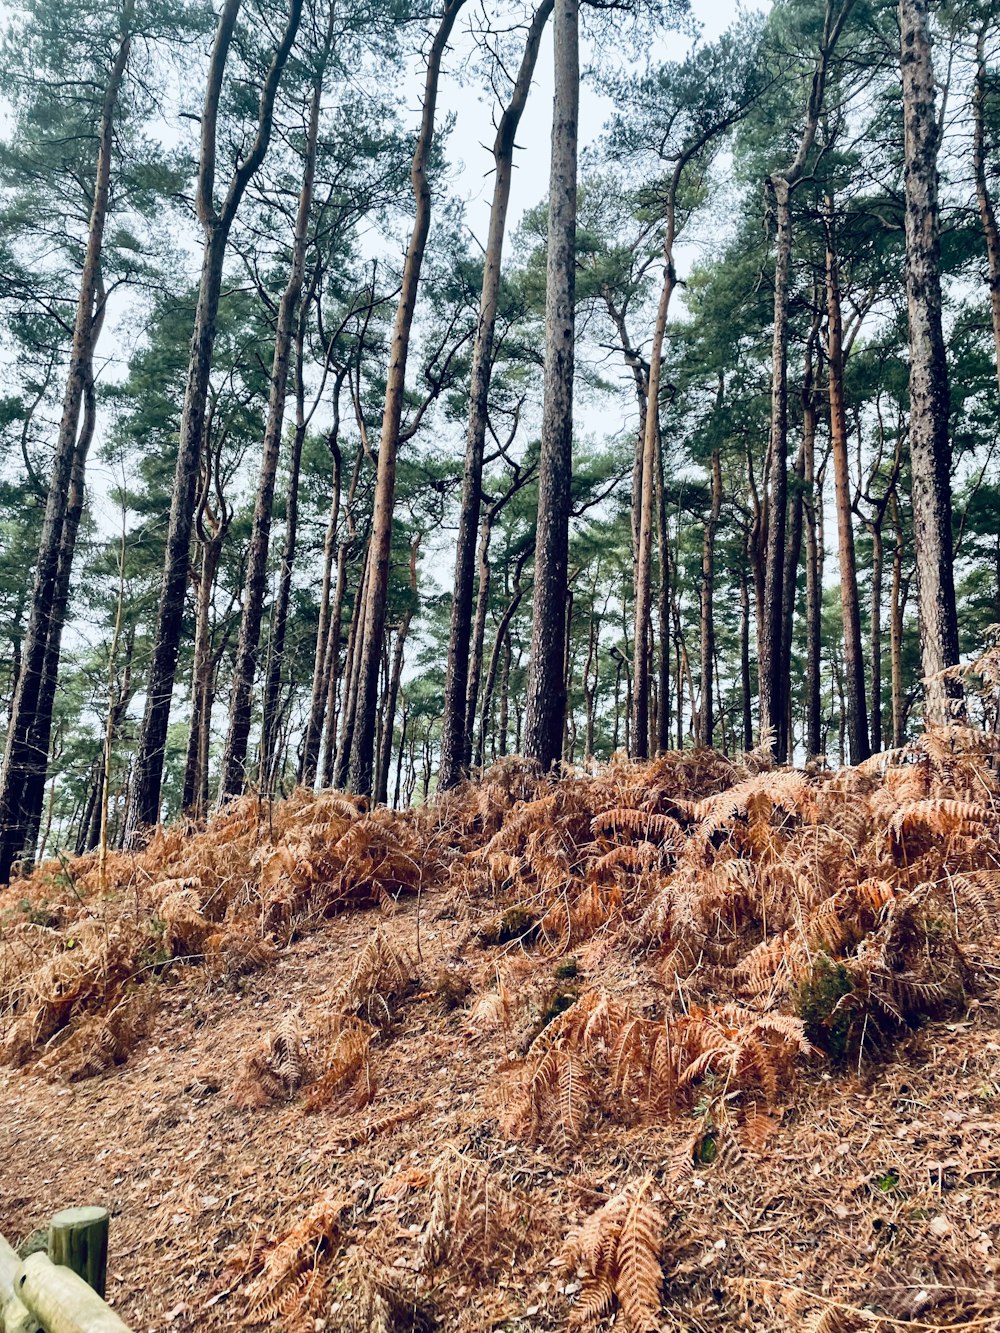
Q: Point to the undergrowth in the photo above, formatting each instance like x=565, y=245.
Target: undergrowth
x=678, y=944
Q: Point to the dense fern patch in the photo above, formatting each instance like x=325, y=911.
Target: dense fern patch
x=648, y=972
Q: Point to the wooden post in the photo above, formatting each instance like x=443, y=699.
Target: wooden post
x=61, y=1301
x=78, y=1239
x=14, y=1318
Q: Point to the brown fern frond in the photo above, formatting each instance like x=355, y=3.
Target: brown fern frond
x=473, y=1224
x=291, y=1265
x=619, y=1249
x=640, y=824
x=276, y=1068
x=382, y=975
x=939, y=816
x=343, y=1074
x=100, y=1041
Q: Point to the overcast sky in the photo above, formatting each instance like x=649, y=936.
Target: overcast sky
x=472, y=136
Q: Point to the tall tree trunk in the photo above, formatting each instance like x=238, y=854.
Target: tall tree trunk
x=504, y=723
x=395, y=676
x=25, y=762
x=930, y=447
x=789, y=581
x=233, y=767
x=878, y=566
x=647, y=494
x=663, y=605
x=202, y=673
x=745, y=682
x=40, y=734
x=475, y=657
x=216, y=225
x=337, y=774
x=707, y=717
x=773, y=682
x=812, y=502
x=456, y=727
x=546, y=696
x=896, y=625
x=850, y=607
x=326, y=659
x=377, y=586
x=987, y=211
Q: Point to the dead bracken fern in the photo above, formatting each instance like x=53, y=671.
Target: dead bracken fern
x=289, y=1289
x=618, y=1253
x=473, y=1225
x=382, y=975
x=276, y=1068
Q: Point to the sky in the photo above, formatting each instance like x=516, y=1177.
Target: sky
x=472, y=135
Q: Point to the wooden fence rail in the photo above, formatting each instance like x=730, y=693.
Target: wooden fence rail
x=61, y=1291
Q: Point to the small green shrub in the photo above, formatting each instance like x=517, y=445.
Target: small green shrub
x=819, y=1001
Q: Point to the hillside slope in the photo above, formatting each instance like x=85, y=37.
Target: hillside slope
x=686, y=1045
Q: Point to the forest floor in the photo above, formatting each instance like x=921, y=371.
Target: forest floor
x=688, y=1045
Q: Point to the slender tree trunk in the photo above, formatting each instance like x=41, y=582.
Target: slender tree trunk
x=930, y=447
x=647, y=493
x=745, y=681
x=25, y=760
x=233, y=767
x=504, y=726
x=338, y=774
x=456, y=727
x=40, y=733
x=491, y=671
x=774, y=684
x=216, y=225
x=987, y=211
x=896, y=625
x=772, y=687
x=475, y=657
x=546, y=697
x=395, y=676
x=790, y=578
x=663, y=605
x=327, y=655
x=203, y=671
x=878, y=565
x=707, y=719
x=854, y=664
x=377, y=587
x=812, y=501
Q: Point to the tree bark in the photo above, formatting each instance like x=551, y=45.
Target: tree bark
x=812, y=502
x=25, y=760
x=707, y=716
x=233, y=767
x=395, y=676
x=745, y=681
x=987, y=211
x=773, y=683
x=216, y=225
x=930, y=447
x=663, y=606
x=337, y=774
x=377, y=586
x=195, y=776
x=850, y=607
x=456, y=727
x=546, y=695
